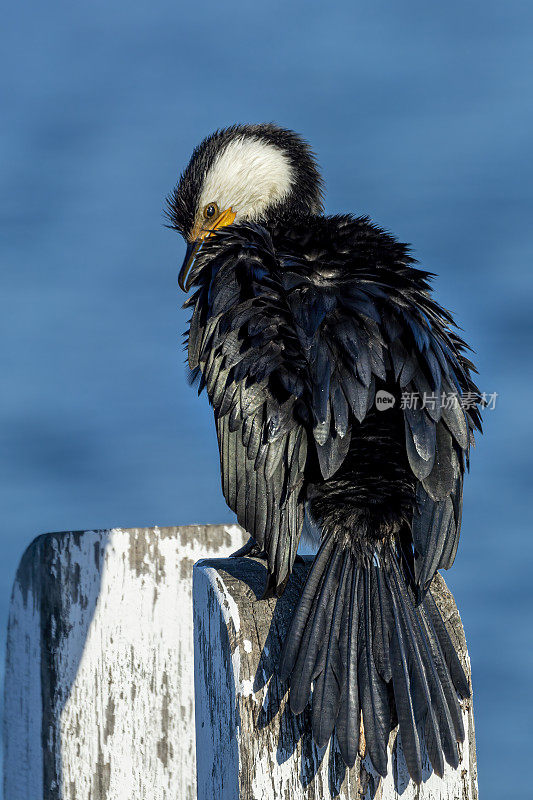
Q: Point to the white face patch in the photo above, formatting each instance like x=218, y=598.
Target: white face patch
x=249, y=175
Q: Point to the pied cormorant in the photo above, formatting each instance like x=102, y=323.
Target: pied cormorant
x=337, y=384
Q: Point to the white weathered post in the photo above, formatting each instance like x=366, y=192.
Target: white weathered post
x=99, y=693
x=249, y=745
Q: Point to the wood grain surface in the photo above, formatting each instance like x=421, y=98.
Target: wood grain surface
x=249, y=743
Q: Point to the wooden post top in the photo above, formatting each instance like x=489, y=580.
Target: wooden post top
x=249, y=743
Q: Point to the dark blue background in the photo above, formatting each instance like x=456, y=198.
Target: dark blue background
x=421, y=116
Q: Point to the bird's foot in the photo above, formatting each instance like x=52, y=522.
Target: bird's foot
x=251, y=549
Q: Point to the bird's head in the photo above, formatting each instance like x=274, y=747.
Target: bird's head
x=246, y=173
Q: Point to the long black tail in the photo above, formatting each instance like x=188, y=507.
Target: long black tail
x=359, y=637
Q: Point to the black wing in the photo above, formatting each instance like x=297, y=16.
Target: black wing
x=440, y=416
x=242, y=341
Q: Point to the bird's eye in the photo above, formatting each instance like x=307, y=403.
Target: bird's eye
x=210, y=210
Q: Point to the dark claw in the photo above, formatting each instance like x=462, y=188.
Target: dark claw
x=251, y=549
x=273, y=590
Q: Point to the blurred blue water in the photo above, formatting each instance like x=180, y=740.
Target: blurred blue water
x=421, y=115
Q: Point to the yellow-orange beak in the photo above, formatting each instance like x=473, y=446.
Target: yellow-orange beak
x=200, y=232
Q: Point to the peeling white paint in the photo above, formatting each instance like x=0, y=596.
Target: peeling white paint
x=247, y=689
x=227, y=603
x=22, y=702
x=114, y=610
x=215, y=704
